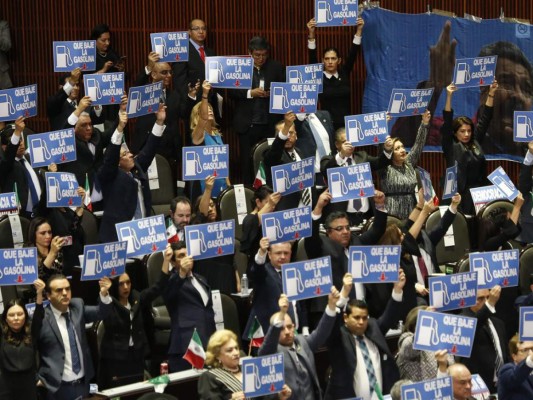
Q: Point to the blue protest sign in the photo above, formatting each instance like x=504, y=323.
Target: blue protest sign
x=56, y=147
x=502, y=181
x=523, y=129
x=18, y=266
x=495, y=268
x=30, y=307
x=8, y=203
x=145, y=99
x=62, y=190
x=74, y=54
x=263, y=375
x=365, y=129
x=336, y=12
x=351, y=182
x=107, y=259
x=451, y=292
x=171, y=46
x=282, y=226
x=210, y=240
x=526, y=324
x=293, y=177
x=407, y=102
x=307, y=279
x=229, y=72
x=374, y=264
x=473, y=72
x=450, y=183
x=295, y=97
x=18, y=102
x=440, y=388
x=105, y=88
x=202, y=161
x=485, y=194
x=479, y=387
x=437, y=331
x=143, y=236
x=426, y=183
x=309, y=73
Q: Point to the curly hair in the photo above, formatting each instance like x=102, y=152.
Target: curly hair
x=216, y=341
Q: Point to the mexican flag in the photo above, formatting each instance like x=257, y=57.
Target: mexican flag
x=172, y=232
x=260, y=177
x=87, y=202
x=256, y=334
x=195, y=353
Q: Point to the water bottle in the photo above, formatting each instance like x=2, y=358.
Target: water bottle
x=244, y=285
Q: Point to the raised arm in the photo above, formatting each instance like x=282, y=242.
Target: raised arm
x=486, y=115
x=420, y=141
x=311, y=42
x=199, y=131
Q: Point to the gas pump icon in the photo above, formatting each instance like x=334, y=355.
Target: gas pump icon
x=40, y=151
x=428, y=331
x=197, y=244
x=398, y=103
x=523, y=127
x=293, y=280
x=63, y=58
x=193, y=165
x=216, y=73
x=463, y=74
x=283, y=182
x=134, y=104
x=280, y=99
x=128, y=235
x=93, y=89
x=451, y=183
x=527, y=324
x=481, y=266
x=503, y=185
x=359, y=268
x=252, y=381
x=439, y=294
x=323, y=12
x=54, y=191
x=355, y=132
x=6, y=105
x=295, y=76
x=338, y=186
x=411, y=394
x=160, y=47
x=92, y=263
x=273, y=229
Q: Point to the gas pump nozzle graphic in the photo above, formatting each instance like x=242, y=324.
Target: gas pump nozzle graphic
x=93, y=264
x=293, y=280
x=40, y=151
x=197, y=244
x=54, y=191
x=523, y=127
x=359, y=268
x=160, y=47
x=481, y=266
x=252, y=381
x=93, y=89
x=450, y=183
x=216, y=73
x=428, y=332
x=463, y=74
x=355, y=132
x=412, y=394
x=527, y=324
x=295, y=76
x=503, y=185
x=273, y=229
x=127, y=234
x=338, y=186
x=6, y=105
x=398, y=103
x=193, y=165
x=63, y=58
x=280, y=99
x=134, y=105
x=283, y=182
x=439, y=294
x=323, y=12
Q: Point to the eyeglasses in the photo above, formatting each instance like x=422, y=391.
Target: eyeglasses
x=166, y=72
x=199, y=28
x=260, y=55
x=526, y=350
x=341, y=228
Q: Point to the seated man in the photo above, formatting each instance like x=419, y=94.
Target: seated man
x=515, y=381
x=461, y=382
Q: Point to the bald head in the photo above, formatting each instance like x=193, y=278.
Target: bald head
x=461, y=380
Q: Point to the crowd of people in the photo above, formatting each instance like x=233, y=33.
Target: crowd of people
x=351, y=321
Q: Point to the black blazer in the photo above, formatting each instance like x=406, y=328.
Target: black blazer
x=306, y=141
x=59, y=109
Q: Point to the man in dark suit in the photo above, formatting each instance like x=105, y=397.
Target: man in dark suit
x=515, y=381
x=190, y=306
x=124, y=178
x=361, y=361
x=252, y=120
x=489, y=352
x=66, y=366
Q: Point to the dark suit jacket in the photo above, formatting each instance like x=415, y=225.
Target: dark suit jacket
x=59, y=109
x=51, y=348
x=187, y=312
x=515, y=382
x=306, y=141
x=120, y=189
x=343, y=359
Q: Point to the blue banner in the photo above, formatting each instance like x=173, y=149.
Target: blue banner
x=229, y=72
x=440, y=388
x=525, y=332
x=74, y=54
x=307, y=279
x=500, y=179
x=56, y=147
x=143, y=100
x=408, y=102
x=438, y=331
x=8, y=203
x=293, y=177
x=309, y=73
x=495, y=268
x=105, y=88
x=30, y=307
x=485, y=194
x=107, y=259
x=523, y=129
x=426, y=183
x=210, y=240
x=474, y=72
x=365, y=129
x=18, y=266
x=171, y=46
x=479, y=387
x=351, y=182
x=451, y=292
x=202, y=161
x=283, y=226
x=336, y=12
x=263, y=375
x=450, y=183
x=374, y=264
x=62, y=190
x=295, y=97
x=143, y=236
x=18, y=102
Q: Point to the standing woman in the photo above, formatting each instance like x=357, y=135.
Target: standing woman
x=18, y=340
x=461, y=144
x=107, y=59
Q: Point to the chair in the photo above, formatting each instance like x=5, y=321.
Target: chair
x=161, y=197
x=487, y=208
x=391, y=219
x=526, y=268
x=227, y=206
x=240, y=259
x=6, y=238
x=463, y=265
x=159, y=310
x=301, y=254
x=231, y=315
x=89, y=223
x=257, y=155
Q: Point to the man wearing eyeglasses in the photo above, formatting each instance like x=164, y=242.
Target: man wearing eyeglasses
x=515, y=380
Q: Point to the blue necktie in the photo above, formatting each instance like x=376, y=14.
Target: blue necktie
x=75, y=355
x=368, y=364
x=31, y=186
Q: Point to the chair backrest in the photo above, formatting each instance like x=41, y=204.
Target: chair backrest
x=301, y=254
x=391, y=219
x=231, y=315
x=487, y=208
x=257, y=155
x=526, y=268
x=240, y=259
x=153, y=265
x=89, y=223
x=6, y=238
x=463, y=265
x=451, y=254
x=162, y=196
x=227, y=206
x=100, y=331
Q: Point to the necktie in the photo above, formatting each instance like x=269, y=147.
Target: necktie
x=312, y=119
x=306, y=194
x=138, y=210
x=31, y=185
x=76, y=364
x=355, y=203
x=498, y=362
x=292, y=155
x=423, y=268
x=202, y=53
x=368, y=364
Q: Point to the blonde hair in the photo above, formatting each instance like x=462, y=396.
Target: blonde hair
x=195, y=118
x=216, y=341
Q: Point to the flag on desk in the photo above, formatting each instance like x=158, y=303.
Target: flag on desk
x=260, y=177
x=172, y=232
x=88, y=204
x=195, y=353
x=256, y=334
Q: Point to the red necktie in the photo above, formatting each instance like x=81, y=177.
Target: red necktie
x=423, y=268
x=202, y=53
